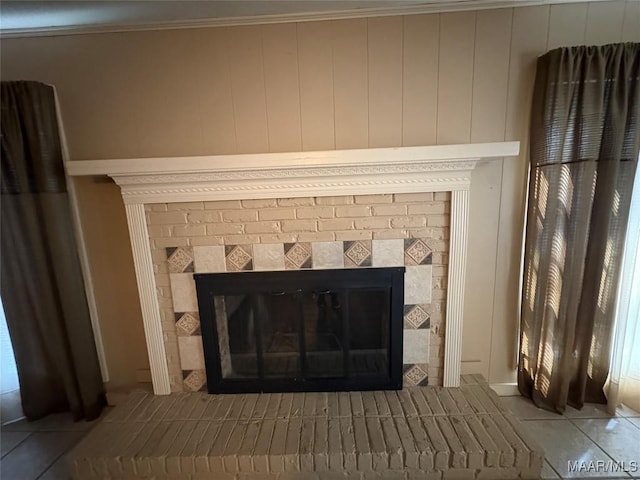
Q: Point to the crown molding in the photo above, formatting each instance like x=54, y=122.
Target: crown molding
x=419, y=8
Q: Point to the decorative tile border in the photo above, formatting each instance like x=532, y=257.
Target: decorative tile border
x=415, y=374
x=414, y=253
x=187, y=324
x=416, y=316
x=238, y=257
x=194, y=380
x=180, y=259
x=298, y=256
x=357, y=253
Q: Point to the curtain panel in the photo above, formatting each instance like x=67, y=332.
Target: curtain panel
x=40, y=276
x=584, y=152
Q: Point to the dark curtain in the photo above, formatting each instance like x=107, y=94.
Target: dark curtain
x=40, y=277
x=584, y=151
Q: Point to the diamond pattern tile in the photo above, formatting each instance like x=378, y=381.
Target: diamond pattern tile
x=194, y=380
x=416, y=316
x=180, y=259
x=357, y=253
x=417, y=252
x=297, y=255
x=415, y=374
x=187, y=324
x=238, y=257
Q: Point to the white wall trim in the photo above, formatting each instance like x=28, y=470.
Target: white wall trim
x=83, y=256
x=139, y=236
x=506, y=389
x=303, y=174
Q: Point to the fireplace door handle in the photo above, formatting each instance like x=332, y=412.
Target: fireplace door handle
x=277, y=294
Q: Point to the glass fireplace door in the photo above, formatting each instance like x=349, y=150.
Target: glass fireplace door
x=293, y=333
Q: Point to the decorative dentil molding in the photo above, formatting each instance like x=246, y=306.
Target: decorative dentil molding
x=301, y=174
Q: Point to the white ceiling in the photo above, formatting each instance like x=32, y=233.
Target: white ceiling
x=38, y=17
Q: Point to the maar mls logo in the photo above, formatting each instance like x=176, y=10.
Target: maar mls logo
x=602, y=466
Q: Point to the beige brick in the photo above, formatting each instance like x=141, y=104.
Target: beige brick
x=170, y=242
x=431, y=208
x=206, y=216
x=439, y=245
x=390, y=234
x=161, y=268
x=239, y=215
x=262, y=227
x=442, y=196
x=157, y=207
x=371, y=223
x=389, y=210
x=172, y=207
x=371, y=199
x=189, y=230
x=167, y=218
x=354, y=235
x=259, y=203
x=209, y=240
x=408, y=222
x=315, y=212
x=336, y=224
x=223, y=205
x=342, y=200
x=158, y=255
x=438, y=221
x=279, y=238
x=225, y=228
x=277, y=214
x=299, y=226
x=296, y=202
x=414, y=197
x=354, y=211
x=500, y=473
x=316, y=237
x=158, y=231
x=241, y=239
x=162, y=280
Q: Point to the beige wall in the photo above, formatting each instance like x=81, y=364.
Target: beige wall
x=414, y=80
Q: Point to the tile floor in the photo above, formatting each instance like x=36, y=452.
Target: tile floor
x=35, y=450
x=586, y=435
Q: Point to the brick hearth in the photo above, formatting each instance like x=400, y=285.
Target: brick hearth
x=416, y=433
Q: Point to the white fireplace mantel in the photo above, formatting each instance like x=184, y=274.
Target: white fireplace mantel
x=302, y=174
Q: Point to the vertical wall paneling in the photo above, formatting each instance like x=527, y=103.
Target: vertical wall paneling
x=631, y=22
x=489, y=99
x=315, y=65
x=455, y=77
x=603, y=22
x=280, y=48
x=213, y=85
x=567, y=25
x=385, y=81
x=350, y=83
x=420, y=79
x=247, y=83
x=529, y=39
x=110, y=89
x=166, y=111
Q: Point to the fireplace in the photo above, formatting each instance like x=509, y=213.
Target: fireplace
x=164, y=186
x=306, y=330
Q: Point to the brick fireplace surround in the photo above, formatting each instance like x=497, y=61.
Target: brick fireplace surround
x=404, y=206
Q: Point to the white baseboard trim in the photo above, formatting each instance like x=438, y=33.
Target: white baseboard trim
x=505, y=389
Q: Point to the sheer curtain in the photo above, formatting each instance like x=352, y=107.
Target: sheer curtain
x=624, y=378
x=585, y=135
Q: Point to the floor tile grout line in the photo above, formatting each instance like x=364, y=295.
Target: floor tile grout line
x=17, y=444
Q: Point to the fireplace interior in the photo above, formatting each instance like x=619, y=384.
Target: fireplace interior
x=307, y=330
